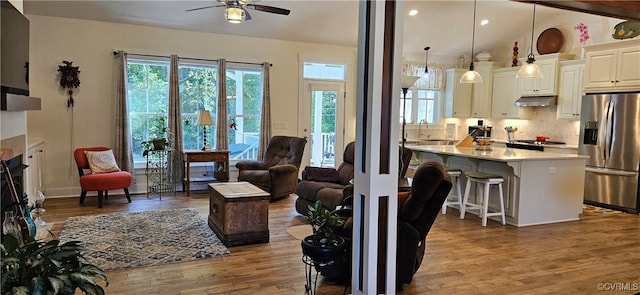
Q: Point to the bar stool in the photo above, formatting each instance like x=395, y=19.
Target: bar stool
x=486, y=180
x=457, y=197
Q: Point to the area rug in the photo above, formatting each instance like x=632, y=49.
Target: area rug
x=127, y=240
x=300, y=231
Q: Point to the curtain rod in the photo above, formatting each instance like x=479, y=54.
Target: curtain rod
x=115, y=53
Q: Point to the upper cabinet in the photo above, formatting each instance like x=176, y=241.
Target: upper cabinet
x=548, y=85
x=506, y=90
x=570, y=90
x=457, y=97
x=482, y=92
x=613, y=66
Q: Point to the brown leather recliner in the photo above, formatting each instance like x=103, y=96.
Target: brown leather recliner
x=328, y=184
x=325, y=184
x=417, y=211
x=277, y=172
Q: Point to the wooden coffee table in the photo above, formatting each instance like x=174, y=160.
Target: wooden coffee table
x=239, y=213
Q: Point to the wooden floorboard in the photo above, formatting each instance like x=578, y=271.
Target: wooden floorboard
x=462, y=257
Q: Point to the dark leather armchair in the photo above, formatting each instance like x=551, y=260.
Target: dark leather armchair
x=277, y=172
x=328, y=184
x=325, y=184
x=417, y=212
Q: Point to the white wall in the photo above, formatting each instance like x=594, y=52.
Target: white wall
x=89, y=44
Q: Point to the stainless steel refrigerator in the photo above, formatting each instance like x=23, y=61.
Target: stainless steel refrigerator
x=610, y=136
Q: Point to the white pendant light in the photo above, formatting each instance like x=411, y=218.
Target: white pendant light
x=530, y=69
x=471, y=76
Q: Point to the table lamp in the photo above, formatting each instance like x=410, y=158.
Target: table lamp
x=204, y=120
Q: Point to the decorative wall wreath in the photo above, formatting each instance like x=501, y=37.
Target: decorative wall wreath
x=69, y=79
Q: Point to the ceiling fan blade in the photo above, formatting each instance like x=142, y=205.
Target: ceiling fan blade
x=247, y=16
x=270, y=9
x=199, y=8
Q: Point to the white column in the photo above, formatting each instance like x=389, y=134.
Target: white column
x=377, y=121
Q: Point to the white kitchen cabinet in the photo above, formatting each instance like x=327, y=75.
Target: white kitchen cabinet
x=570, y=89
x=457, y=101
x=548, y=64
x=35, y=171
x=613, y=66
x=482, y=92
x=506, y=90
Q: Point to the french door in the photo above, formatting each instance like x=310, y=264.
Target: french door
x=322, y=122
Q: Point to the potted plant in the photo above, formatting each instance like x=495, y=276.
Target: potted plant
x=39, y=267
x=220, y=172
x=326, y=249
x=158, y=133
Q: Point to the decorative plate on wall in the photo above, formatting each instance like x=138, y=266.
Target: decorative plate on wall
x=550, y=41
x=626, y=29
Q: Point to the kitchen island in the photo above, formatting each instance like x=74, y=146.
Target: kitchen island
x=539, y=187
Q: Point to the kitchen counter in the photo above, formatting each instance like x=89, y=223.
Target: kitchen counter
x=539, y=187
x=497, y=154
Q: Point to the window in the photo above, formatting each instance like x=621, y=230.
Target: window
x=198, y=90
x=148, y=99
x=244, y=108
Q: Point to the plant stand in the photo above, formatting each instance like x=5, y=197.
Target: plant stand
x=311, y=280
x=158, y=179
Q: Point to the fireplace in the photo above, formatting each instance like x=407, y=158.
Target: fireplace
x=16, y=168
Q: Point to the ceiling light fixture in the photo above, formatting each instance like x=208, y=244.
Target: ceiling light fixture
x=234, y=15
x=472, y=76
x=484, y=22
x=426, y=59
x=413, y=12
x=529, y=69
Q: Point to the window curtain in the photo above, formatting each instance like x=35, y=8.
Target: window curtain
x=222, y=134
x=122, y=149
x=434, y=79
x=265, y=121
x=175, y=122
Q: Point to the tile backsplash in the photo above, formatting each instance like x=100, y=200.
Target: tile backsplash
x=543, y=122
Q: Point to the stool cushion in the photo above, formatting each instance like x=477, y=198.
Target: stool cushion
x=481, y=175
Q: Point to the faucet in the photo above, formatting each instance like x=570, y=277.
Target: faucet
x=420, y=127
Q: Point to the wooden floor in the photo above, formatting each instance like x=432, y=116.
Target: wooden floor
x=462, y=257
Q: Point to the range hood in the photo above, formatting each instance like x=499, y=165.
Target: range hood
x=536, y=101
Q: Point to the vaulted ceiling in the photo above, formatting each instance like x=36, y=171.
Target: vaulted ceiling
x=445, y=26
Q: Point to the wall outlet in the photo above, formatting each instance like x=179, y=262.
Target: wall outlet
x=552, y=170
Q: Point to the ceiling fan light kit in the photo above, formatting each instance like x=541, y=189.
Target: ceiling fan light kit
x=236, y=10
x=530, y=69
x=471, y=76
x=234, y=15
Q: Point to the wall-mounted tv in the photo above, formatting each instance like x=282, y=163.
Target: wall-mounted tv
x=14, y=45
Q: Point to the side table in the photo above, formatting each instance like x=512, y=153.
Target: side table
x=221, y=158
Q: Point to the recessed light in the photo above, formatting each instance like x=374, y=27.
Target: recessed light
x=413, y=12
x=484, y=22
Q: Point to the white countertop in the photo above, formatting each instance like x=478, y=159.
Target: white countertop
x=497, y=154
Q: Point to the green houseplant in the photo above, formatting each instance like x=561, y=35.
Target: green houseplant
x=326, y=249
x=39, y=267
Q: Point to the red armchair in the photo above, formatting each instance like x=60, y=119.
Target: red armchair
x=102, y=182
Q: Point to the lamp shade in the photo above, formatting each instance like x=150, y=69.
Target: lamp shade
x=529, y=70
x=204, y=118
x=408, y=81
x=234, y=15
x=471, y=76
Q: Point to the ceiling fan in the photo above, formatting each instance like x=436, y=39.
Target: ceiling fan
x=236, y=10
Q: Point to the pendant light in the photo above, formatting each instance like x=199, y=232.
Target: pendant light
x=471, y=76
x=426, y=59
x=529, y=69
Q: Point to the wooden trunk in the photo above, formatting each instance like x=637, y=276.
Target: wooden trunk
x=239, y=213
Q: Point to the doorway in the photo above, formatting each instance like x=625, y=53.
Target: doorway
x=322, y=122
